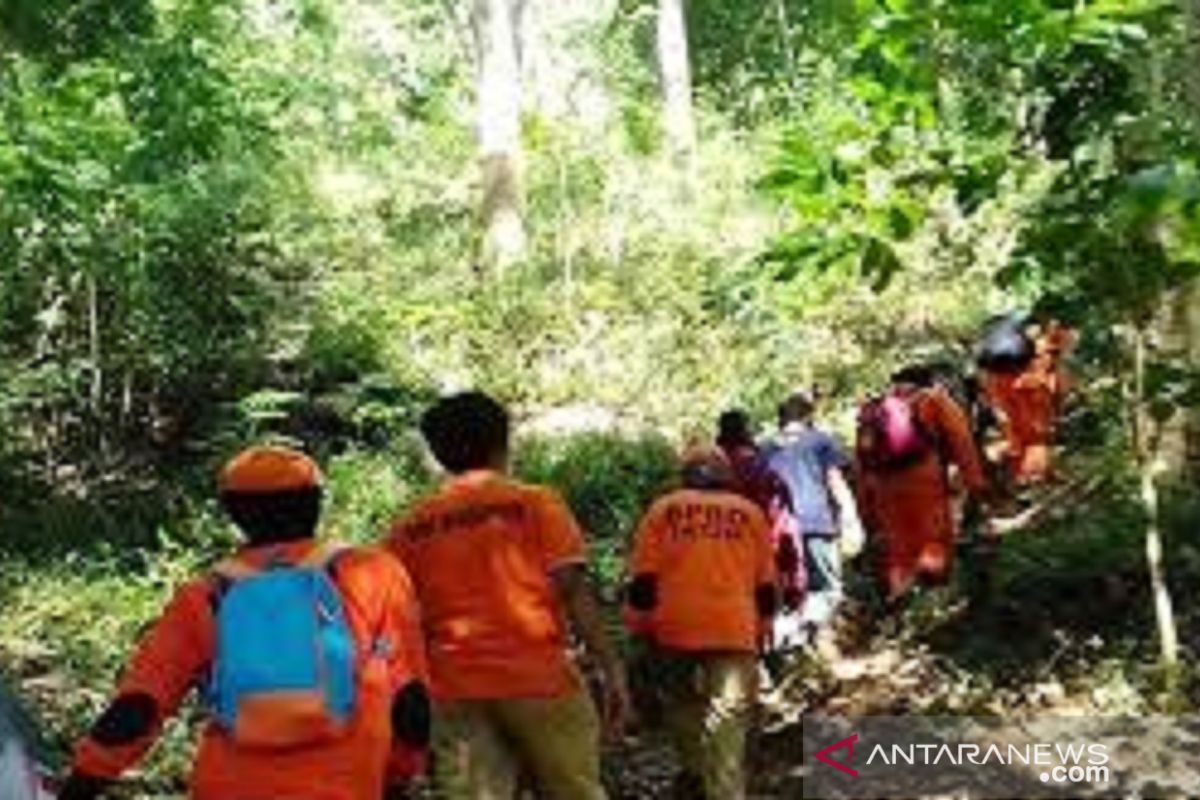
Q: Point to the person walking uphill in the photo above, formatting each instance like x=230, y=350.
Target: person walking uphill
x=1029, y=397
x=702, y=592
x=908, y=441
x=754, y=480
x=310, y=657
x=811, y=465
x=753, y=477
x=499, y=566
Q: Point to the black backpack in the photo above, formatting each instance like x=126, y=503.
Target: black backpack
x=1005, y=346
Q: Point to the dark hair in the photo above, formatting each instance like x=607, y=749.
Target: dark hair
x=733, y=429
x=709, y=477
x=466, y=431
x=274, y=516
x=916, y=374
x=798, y=407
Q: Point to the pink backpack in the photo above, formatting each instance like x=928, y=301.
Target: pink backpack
x=890, y=436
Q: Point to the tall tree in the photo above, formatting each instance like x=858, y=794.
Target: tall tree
x=675, y=74
x=496, y=26
x=1191, y=11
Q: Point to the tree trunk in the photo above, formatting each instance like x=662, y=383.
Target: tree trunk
x=1146, y=444
x=499, y=129
x=675, y=75
x=1191, y=11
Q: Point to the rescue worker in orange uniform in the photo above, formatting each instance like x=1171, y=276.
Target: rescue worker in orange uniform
x=500, y=568
x=274, y=497
x=1029, y=402
x=702, y=592
x=910, y=509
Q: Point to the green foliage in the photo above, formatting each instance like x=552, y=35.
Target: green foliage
x=607, y=479
x=136, y=278
x=224, y=222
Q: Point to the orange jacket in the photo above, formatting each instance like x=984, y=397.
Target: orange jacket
x=481, y=552
x=910, y=508
x=709, y=552
x=176, y=654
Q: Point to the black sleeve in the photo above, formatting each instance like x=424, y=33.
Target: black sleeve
x=412, y=715
x=128, y=718
x=642, y=593
x=766, y=599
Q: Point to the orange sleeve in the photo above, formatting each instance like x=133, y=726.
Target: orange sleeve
x=168, y=662
x=401, y=623
x=647, y=543
x=560, y=538
x=958, y=443
x=646, y=559
x=390, y=610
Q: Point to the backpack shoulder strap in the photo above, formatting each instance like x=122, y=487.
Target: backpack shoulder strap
x=223, y=576
x=233, y=569
x=325, y=557
x=226, y=573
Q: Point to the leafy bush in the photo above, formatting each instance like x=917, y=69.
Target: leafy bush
x=607, y=479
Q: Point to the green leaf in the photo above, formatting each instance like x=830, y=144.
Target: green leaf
x=879, y=263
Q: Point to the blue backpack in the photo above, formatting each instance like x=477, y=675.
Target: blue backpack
x=284, y=673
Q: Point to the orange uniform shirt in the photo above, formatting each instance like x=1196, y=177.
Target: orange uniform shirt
x=176, y=655
x=709, y=551
x=481, y=552
x=911, y=509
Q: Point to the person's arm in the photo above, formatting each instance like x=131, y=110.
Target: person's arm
x=641, y=595
x=399, y=639
x=578, y=598
x=169, y=661
x=766, y=575
x=847, y=505
x=835, y=462
x=954, y=432
x=565, y=561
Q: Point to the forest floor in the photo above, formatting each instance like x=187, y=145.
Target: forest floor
x=1062, y=626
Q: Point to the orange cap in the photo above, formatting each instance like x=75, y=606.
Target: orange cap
x=269, y=469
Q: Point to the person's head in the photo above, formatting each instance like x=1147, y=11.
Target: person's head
x=734, y=429
x=273, y=494
x=917, y=375
x=466, y=432
x=706, y=468
x=798, y=408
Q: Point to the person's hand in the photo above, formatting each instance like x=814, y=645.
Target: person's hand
x=618, y=703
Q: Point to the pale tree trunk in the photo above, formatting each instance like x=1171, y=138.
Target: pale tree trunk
x=495, y=25
x=1146, y=442
x=675, y=75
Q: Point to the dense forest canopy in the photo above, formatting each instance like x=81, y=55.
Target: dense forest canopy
x=215, y=206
